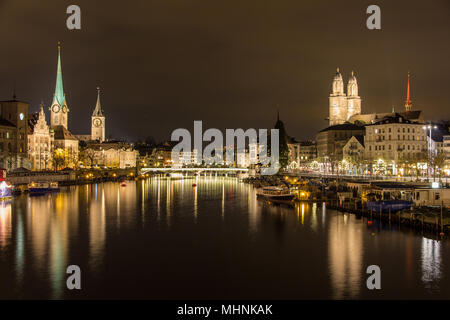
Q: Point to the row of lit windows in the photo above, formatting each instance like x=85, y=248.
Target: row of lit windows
x=404, y=130
x=400, y=148
x=401, y=137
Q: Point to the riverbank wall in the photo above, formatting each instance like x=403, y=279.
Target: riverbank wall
x=72, y=177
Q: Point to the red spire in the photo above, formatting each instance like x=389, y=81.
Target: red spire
x=408, y=98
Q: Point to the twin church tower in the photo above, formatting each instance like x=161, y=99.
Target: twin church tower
x=59, y=110
x=344, y=106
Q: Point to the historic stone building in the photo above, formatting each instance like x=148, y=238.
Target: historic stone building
x=40, y=142
x=331, y=140
x=395, y=138
x=109, y=154
x=353, y=151
x=13, y=134
x=307, y=152
x=342, y=105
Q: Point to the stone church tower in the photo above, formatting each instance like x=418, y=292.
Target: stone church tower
x=98, y=121
x=353, y=100
x=59, y=111
x=338, y=101
x=343, y=106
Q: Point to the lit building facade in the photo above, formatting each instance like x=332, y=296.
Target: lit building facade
x=343, y=106
x=40, y=142
x=394, y=142
x=110, y=154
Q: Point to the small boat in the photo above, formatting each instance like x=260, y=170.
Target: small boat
x=43, y=187
x=275, y=193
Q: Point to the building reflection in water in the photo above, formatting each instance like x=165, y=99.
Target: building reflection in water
x=97, y=212
x=20, y=249
x=5, y=224
x=52, y=218
x=345, y=256
x=431, y=263
x=195, y=203
x=39, y=229
x=314, y=224
x=223, y=200
x=254, y=214
x=169, y=191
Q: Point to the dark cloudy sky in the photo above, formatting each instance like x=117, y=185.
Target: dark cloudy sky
x=163, y=64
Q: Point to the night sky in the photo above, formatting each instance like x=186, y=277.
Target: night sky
x=163, y=64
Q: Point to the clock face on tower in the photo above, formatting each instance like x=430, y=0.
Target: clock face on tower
x=64, y=109
x=55, y=108
x=97, y=122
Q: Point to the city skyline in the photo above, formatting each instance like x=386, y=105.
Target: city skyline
x=246, y=71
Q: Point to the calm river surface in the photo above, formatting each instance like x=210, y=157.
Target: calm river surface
x=164, y=239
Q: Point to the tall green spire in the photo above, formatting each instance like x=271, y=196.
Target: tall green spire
x=59, y=90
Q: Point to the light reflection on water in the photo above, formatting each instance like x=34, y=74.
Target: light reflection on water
x=163, y=238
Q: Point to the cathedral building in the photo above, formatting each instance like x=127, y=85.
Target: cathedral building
x=65, y=144
x=343, y=106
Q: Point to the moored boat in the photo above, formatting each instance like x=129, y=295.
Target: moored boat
x=275, y=193
x=43, y=187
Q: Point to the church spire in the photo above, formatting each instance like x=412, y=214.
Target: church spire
x=98, y=112
x=41, y=110
x=408, y=97
x=59, y=90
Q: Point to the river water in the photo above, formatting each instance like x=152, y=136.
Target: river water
x=165, y=239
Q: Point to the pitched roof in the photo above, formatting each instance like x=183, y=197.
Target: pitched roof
x=61, y=133
x=360, y=138
x=392, y=118
x=345, y=126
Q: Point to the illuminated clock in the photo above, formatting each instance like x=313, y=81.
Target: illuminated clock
x=55, y=108
x=64, y=109
x=97, y=122
x=21, y=116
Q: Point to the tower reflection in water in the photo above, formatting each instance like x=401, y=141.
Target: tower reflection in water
x=345, y=255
